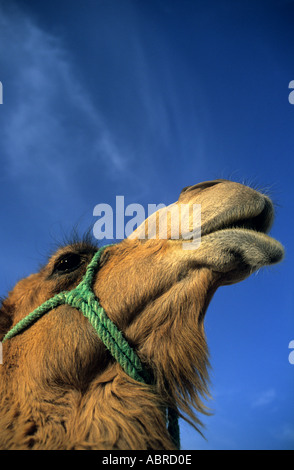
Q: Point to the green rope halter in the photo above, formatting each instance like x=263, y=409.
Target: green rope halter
x=83, y=298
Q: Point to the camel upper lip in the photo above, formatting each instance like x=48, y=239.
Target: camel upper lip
x=259, y=221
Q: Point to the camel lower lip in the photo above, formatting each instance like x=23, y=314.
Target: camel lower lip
x=252, y=248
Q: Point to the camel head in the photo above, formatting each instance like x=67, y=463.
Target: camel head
x=235, y=220
x=156, y=291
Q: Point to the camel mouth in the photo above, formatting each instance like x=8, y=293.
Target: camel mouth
x=241, y=234
x=258, y=219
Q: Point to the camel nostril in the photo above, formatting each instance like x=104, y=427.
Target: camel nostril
x=203, y=185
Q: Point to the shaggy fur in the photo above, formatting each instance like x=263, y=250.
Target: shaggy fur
x=59, y=387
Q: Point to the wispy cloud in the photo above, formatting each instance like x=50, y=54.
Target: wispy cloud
x=49, y=124
x=265, y=398
x=287, y=433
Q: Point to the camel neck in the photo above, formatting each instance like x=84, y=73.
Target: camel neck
x=106, y=416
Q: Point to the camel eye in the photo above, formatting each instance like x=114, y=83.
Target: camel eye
x=67, y=263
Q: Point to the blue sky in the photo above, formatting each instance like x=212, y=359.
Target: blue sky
x=142, y=98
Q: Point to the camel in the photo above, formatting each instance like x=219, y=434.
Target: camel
x=61, y=388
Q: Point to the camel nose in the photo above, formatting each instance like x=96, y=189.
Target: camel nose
x=203, y=185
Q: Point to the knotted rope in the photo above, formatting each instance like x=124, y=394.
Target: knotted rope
x=83, y=298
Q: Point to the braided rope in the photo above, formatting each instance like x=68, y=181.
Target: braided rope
x=32, y=317
x=83, y=298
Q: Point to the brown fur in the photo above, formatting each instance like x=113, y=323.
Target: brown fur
x=59, y=387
